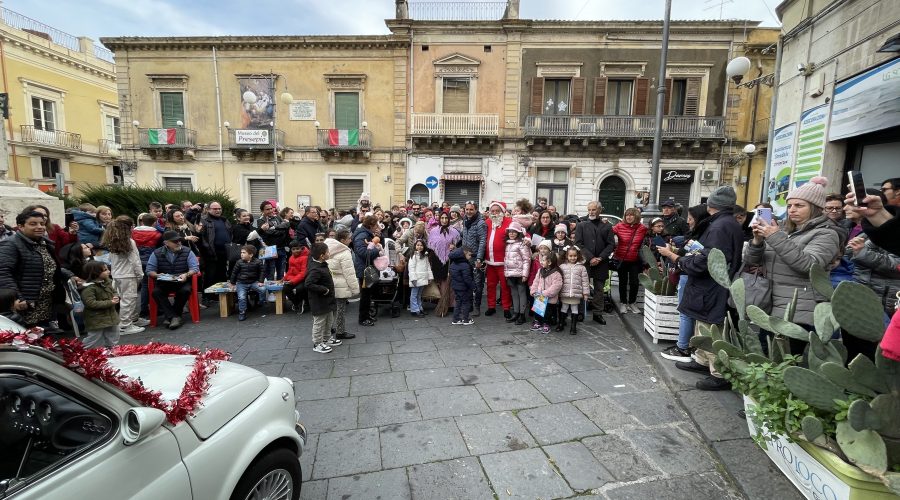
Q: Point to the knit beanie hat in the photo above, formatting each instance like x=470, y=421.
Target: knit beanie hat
x=724, y=197
x=812, y=192
x=560, y=228
x=455, y=208
x=545, y=243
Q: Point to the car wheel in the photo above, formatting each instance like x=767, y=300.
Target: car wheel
x=275, y=476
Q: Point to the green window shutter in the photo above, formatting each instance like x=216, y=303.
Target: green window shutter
x=171, y=105
x=346, y=110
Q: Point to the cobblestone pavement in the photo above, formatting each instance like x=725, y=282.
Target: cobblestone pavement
x=418, y=408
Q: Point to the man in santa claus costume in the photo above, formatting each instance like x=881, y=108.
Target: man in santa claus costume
x=494, y=254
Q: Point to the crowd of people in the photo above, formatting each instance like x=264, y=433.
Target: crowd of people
x=525, y=261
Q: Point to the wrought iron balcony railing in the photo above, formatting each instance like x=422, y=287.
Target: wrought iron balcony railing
x=455, y=124
x=623, y=127
x=457, y=11
x=332, y=139
x=167, y=138
x=253, y=139
x=51, y=138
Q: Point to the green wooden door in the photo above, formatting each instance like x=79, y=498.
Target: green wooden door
x=612, y=196
x=346, y=110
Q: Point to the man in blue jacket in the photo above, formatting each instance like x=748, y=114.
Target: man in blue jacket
x=704, y=299
x=474, y=236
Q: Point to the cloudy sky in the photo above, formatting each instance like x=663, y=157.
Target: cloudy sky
x=96, y=18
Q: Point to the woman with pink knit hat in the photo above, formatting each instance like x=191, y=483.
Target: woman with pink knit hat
x=808, y=238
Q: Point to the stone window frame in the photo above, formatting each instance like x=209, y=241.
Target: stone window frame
x=693, y=70
x=346, y=82
x=168, y=83
x=458, y=66
x=33, y=88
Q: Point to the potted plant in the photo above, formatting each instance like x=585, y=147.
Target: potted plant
x=661, y=318
x=832, y=425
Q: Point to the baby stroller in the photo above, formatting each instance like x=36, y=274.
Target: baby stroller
x=385, y=290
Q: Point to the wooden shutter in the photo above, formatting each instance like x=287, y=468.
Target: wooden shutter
x=641, y=96
x=346, y=110
x=537, y=95
x=346, y=193
x=171, y=105
x=578, y=88
x=600, y=95
x=178, y=184
x=668, y=102
x=692, y=97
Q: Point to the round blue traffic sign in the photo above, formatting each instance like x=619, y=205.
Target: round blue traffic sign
x=431, y=182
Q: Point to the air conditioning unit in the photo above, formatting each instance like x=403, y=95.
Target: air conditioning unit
x=709, y=176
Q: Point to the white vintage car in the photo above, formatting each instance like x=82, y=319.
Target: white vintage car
x=63, y=436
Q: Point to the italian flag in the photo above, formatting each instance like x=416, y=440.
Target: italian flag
x=161, y=135
x=338, y=137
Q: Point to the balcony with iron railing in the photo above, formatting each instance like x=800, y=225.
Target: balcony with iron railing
x=457, y=11
x=338, y=140
x=34, y=27
x=54, y=139
x=624, y=127
x=455, y=125
x=174, y=143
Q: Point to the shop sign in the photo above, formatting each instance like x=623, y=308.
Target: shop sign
x=251, y=136
x=866, y=103
x=677, y=176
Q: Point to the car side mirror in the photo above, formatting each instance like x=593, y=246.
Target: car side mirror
x=140, y=423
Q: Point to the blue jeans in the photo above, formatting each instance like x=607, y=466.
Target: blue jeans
x=686, y=323
x=243, y=288
x=275, y=267
x=415, y=298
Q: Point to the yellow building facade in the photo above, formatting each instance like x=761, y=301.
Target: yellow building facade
x=64, y=116
x=200, y=114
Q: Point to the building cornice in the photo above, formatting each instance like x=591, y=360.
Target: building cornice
x=89, y=65
x=225, y=43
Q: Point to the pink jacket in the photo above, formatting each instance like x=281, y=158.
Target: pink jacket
x=549, y=286
x=575, y=281
x=517, y=262
x=535, y=267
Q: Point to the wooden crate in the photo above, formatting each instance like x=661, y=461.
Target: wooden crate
x=661, y=318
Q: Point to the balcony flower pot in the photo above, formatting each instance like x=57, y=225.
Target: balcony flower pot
x=661, y=319
x=818, y=473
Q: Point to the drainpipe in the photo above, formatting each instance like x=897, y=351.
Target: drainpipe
x=765, y=185
x=219, y=112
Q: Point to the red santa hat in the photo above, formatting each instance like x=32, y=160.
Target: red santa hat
x=499, y=204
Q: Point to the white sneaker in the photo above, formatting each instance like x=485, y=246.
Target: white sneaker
x=333, y=342
x=131, y=330
x=623, y=308
x=634, y=308
x=457, y=322
x=469, y=321
x=322, y=348
x=142, y=322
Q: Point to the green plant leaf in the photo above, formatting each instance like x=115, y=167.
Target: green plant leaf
x=718, y=268
x=843, y=377
x=858, y=310
x=865, y=449
x=759, y=317
x=756, y=358
x=646, y=282
x=824, y=322
x=821, y=281
x=702, y=342
x=732, y=350
x=812, y=388
x=861, y=416
x=738, y=295
x=812, y=427
x=866, y=373
x=791, y=306
x=788, y=329
x=887, y=407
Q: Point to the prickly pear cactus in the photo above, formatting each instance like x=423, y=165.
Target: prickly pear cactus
x=812, y=388
x=718, y=267
x=858, y=310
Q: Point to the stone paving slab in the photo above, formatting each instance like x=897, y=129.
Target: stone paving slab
x=484, y=374
x=325, y=415
x=557, y=423
x=450, y=402
x=606, y=414
x=759, y=479
x=514, y=395
x=529, y=368
x=306, y=370
x=620, y=458
x=672, y=451
x=507, y=353
x=561, y=387
x=432, y=377
x=416, y=361
x=697, y=487
x=350, y=367
x=323, y=388
x=461, y=479
x=377, y=383
x=494, y=432
x=579, y=362
x=370, y=349
x=578, y=466
x=387, y=484
x=347, y=452
x=466, y=356
x=407, y=346
x=650, y=408
x=525, y=474
x=384, y=409
x=421, y=442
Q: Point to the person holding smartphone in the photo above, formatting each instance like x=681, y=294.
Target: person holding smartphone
x=808, y=238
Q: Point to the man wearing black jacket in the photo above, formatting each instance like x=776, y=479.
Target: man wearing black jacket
x=308, y=227
x=596, y=241
x=704, y=299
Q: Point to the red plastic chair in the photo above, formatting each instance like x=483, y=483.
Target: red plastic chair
x=193, y=301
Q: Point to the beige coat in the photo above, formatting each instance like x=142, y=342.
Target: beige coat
x=340, y=263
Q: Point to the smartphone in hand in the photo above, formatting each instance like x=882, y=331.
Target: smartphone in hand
x=658, y=241
x=765, y=214
x=858, y=186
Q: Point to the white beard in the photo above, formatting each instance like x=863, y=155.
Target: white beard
x=592, y=217
x=496, y=219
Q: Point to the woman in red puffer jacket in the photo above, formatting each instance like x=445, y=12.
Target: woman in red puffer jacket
x=630, y=234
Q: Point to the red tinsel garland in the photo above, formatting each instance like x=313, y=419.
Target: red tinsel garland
x=94, y=364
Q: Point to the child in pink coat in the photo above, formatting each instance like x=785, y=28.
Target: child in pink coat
x=547, y=284
x=576, y=287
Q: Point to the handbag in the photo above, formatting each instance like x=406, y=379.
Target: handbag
x=233, y=252
x=540, y=305
x=431, y=292
x=268, y=252
x=73, y=298
x=614, y=262
x=757, y=288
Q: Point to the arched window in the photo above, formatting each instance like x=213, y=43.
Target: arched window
x=419, y=194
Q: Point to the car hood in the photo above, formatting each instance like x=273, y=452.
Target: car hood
x=231, y=389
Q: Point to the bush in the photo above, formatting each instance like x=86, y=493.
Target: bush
x=133, y=200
